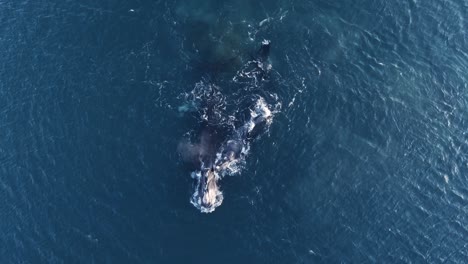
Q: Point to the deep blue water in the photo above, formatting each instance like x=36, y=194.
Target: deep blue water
x=366, y=162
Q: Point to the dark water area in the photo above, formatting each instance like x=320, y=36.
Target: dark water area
x=365, y=162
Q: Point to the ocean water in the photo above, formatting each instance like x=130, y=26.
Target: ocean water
x=366, y=160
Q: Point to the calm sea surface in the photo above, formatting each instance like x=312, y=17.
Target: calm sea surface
x=366, y=160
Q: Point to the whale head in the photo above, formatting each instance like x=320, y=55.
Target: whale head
x=207, y=195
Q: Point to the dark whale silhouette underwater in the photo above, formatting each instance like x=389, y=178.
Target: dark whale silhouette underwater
x=221, y=149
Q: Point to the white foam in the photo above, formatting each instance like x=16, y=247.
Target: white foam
x=261, y=109
x=263, y=22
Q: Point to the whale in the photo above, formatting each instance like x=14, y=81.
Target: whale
x=207, y=195
x=218, y=153
x=263, y=52
x=257, y=68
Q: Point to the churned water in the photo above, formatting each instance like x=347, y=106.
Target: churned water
x=365, y=161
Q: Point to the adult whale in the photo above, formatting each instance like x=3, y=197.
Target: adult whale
x=207, y=195
x=217, y=153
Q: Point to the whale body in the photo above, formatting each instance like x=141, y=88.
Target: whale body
x=207, y=195
x=216, y=155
